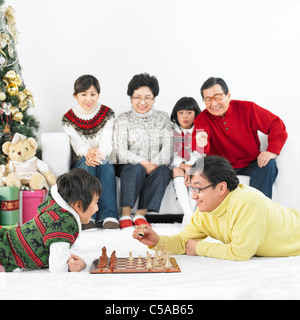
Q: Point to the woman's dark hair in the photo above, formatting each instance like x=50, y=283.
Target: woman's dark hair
x=185, y=103
x=80, y=185
x=143, y=80
x=84, y=82
x=210, y=82
x=216, y=169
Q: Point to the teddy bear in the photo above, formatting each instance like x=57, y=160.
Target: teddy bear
x=24, y=168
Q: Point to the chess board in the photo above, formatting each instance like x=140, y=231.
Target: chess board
x=124, y=265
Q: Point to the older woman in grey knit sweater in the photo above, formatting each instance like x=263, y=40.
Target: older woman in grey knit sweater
x=143, y=144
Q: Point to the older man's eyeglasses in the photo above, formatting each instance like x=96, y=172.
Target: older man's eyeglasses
x=198, y=190
x=217, y=97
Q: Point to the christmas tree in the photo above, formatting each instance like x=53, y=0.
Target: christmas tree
x=15, y=99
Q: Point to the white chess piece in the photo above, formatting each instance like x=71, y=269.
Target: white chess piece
x=148, y=255
x=130, y=256
x=168, y=263
x=149, y=263
x=156, y=252
x=156, y=261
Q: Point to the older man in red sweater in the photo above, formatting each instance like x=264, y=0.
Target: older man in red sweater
x=229, y=128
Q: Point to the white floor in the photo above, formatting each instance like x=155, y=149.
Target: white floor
x=201, y=278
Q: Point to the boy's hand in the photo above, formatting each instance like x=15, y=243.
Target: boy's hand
x=150, y=237
x=76, y=264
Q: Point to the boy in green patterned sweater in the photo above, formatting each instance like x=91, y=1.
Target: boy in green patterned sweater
x=47, y=239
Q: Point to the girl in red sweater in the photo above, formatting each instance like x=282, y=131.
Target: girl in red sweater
x=183, y=115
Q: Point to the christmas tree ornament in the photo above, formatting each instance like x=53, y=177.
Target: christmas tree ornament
x=16, y=114
x=6, y=109
x=5, y=42
x=12, y=77
x=2, y=96
x=12, y=89
x=7, y=134
x=3, y=59
x=11, y=22
x=25, y=97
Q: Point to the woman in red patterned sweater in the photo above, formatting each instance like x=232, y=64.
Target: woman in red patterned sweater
x=230, y=130
x=89, y=126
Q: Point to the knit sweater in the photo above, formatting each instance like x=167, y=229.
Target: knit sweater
x=139, y=137
x=183, y=147
x=234, y=136
x=29, y=246
x=247, y=223
x=89, y=129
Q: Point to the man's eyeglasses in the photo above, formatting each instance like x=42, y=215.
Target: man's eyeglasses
x=198, y=190
x=217, y=97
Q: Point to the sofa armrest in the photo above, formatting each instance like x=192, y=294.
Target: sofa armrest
x=56, y=151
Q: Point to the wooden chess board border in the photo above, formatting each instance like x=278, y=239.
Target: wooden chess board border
x=134, y=269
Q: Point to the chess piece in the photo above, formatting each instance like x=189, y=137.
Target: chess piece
x=113, y=260
x=112, y=264
x=156, y=261
x=148, y=255
x=140, y=264
x=142, y=232
x=156, y=252
x=130, y=259
x=163, y=254
x=103, y=259
x=149, y=263
x=168, y=263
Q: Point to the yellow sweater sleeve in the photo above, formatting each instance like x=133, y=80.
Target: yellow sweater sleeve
x=248, y=230
x=176, y=244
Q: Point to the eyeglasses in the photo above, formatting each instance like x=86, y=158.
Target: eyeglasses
x=139, y=99
x=217, y=97
x=198, y=190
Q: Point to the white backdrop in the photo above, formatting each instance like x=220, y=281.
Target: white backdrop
x=254, y=45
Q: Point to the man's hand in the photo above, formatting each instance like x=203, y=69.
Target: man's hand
x=264, y=158
x=201, y=139
x=76, y=264
x=150, y=237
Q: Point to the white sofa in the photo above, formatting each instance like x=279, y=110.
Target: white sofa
x=56, y=152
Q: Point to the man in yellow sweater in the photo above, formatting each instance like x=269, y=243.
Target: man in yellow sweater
x=241, y=217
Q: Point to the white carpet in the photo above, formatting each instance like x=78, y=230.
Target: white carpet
x=200, y=277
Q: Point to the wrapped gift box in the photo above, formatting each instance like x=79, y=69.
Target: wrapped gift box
x=9, y=206
x=29, y=202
